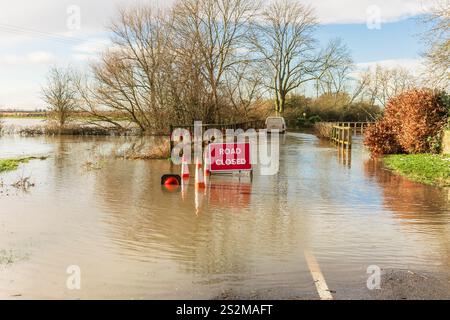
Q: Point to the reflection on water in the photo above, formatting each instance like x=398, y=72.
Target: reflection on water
x=344, y=156
x=132, y=238
x=426, y=209
x=409, y=200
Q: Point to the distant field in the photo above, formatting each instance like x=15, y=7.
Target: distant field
x=43, y=114
x=24, y=114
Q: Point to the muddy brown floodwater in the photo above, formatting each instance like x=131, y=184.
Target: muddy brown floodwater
x=133, y=240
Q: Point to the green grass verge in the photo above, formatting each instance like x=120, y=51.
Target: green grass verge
x=426, y=168
x=13, y=164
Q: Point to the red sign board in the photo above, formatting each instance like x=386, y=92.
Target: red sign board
x=229, y=157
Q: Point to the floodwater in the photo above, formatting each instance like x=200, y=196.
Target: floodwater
x=132, y=239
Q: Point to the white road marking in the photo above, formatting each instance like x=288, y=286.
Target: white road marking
x=319, y=280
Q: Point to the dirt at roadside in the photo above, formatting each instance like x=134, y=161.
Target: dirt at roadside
x=396, y=284
x=411, y=285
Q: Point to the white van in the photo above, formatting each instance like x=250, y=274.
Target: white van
x=276, y=123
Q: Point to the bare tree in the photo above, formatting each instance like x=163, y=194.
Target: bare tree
x=340, y=85
x=218, y=29
x=210, y=60
x=90, y=103
x=336, y=79
x=244, y=88
x=437, y=40
x=173, y=66
x=60, y=95
x=376, y=86
x=283, y=38
x=127, y=78
x=382, y=84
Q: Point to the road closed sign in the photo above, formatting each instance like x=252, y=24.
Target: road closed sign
x=227, y=157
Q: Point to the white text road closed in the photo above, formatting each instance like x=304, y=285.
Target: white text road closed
x=229, y=156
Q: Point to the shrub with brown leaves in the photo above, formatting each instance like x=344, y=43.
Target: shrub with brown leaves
x=418, y=118
x=411, y=123
x=381, y=139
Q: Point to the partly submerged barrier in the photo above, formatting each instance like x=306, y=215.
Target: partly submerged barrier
x=340, y=132
x=342, y=136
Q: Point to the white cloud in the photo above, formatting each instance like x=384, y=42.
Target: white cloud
x=351, y=11
x=26, y=97
x=92, y=46
x=82, y=57
x=415, y=66
x=51, y=16
x=90, y=50
x=37, y=57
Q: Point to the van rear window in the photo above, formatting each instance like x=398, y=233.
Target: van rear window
x=275, y=121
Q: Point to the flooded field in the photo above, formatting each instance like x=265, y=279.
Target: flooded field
x=238, y=238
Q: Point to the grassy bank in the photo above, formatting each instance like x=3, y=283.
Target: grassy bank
x=13, y=164
x=426, y=168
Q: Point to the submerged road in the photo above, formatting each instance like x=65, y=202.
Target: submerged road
x=315, y=230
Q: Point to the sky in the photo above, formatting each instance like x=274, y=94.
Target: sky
x=35, y=35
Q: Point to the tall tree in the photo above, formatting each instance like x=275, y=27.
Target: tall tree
x=437, y=40
x=60, y=95
x=382, y=84
x=218, y=29
x=283, y=38
x=336, y=79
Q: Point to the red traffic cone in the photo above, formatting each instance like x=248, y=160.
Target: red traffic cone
x=171, y=182
x=184, y=168
x=199, y=178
